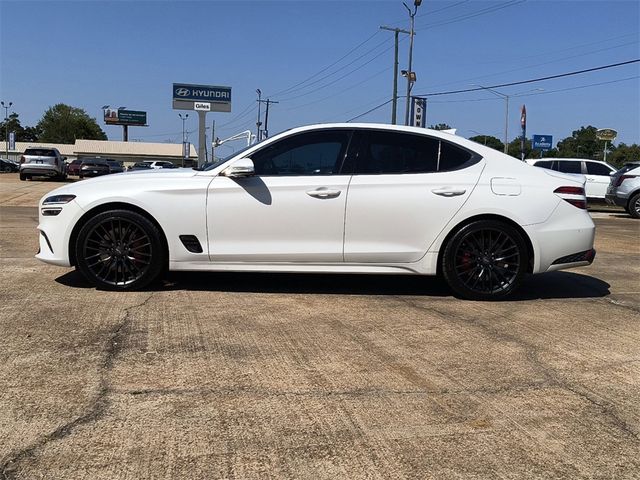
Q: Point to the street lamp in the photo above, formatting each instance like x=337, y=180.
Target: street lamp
x=409, y=70
x=184, y=141
x=6, y=126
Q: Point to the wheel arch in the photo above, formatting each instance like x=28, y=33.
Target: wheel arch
x=499, y=218
x=112, y=206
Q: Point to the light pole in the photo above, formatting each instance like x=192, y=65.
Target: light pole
x=184, y=141
x=258, y=123
x=410, y=73
x=6, y=126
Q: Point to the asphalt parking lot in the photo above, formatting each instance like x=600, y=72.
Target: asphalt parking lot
x=301, y=376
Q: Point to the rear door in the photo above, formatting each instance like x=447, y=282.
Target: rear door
x=405, y=189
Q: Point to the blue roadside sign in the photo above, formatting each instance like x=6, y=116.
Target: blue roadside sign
x=542, y=142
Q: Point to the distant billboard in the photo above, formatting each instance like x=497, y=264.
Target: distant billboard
x=114, y=116
x=207, y=98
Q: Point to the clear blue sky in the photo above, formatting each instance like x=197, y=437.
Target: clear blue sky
x=128, y=53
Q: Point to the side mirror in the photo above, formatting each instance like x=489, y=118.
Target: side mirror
x=242, y=168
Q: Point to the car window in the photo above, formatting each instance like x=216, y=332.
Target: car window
x=594, y=168
x=313, y=153
x=566, y=166
x=40, y=152
x=397, y=153
x=544, y=164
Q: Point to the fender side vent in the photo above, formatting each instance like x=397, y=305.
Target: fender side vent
x=191, y=243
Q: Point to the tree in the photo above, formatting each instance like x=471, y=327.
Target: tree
x=624, y=153
x=440, y=126
x=514, y=148
x=582, y=144
x=489, y=141
x=64, y=124
x=23, y=134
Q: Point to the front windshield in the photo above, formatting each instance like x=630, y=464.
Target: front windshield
x=217, y=163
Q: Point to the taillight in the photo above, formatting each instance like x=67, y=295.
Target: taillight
x=574, y=195
x=622, y=178
x=21, y=158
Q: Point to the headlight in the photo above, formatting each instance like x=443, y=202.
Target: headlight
x=58, y=199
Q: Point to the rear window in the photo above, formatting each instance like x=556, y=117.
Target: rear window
x=40, y=152
x=627, y=167
x=594, y=168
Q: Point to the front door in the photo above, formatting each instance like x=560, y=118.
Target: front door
x=291, y=210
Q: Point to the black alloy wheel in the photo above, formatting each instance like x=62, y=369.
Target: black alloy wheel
x=485, y=260
x=120, y=250
x=634, y=206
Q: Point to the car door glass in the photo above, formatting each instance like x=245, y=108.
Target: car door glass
x=317, y=153
x=569, y=167
x=398, y=153
x=544, y=164
x=594, y=168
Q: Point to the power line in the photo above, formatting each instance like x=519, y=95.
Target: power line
x=522, y=82
x=286, y=90
x=478, y=13
x=540, y=79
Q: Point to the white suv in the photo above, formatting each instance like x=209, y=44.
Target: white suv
x=598, y=173
x=624, y=189
x=46, y=162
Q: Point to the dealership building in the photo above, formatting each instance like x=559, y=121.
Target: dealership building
x=126, y=152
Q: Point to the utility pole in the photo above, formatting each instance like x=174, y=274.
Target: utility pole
x=266, y=116
x=213, y=141
x=394, y=106
x=185, y=152
x=411, y=77
x=6, y=126
x=258, y=123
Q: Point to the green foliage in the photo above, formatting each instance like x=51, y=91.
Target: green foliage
x=440, y=126
x=624, y=153
x=64, y=124
x=582, y=144
x=489, y=141
x=28, y=134
x=514, y=148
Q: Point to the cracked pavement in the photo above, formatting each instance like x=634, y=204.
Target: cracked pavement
x=301, y=376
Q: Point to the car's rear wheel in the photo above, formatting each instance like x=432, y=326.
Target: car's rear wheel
x=24, y=176
x=634, y=206
x=120, y=250
x=485, y=260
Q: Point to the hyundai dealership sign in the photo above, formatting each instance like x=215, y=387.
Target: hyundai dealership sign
x=188, y=96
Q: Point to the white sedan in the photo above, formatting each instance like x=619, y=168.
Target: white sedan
x=334, y=198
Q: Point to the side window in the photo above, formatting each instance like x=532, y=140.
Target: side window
x=313, y=153
x=544, y=164
x=397, y=153
x=569, y=166
x=594, y=168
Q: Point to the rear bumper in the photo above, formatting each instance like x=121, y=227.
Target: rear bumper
x=48, y=172
x=612, y=199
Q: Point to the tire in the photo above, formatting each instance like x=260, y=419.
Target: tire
x=120, y=250
x=23, y=176
x=485, y=260
x=634, y=206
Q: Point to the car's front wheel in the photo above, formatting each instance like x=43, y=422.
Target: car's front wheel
x=634, y=206
x=120, y=250
x=485, y=260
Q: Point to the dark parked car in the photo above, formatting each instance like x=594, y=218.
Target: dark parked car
x=94, y=168
x=74, y=167
x=8, y=166
x=141, y=166
x=115, y=167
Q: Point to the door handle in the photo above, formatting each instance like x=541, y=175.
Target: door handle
x=449, y=192
x=324, y=193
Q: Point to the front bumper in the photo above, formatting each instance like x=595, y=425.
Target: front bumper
x=54, y=233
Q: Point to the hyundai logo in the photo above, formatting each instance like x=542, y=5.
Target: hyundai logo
x=182, y=92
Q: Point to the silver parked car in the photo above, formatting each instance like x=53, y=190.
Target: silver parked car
x=624, y=189
x=45, y=162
